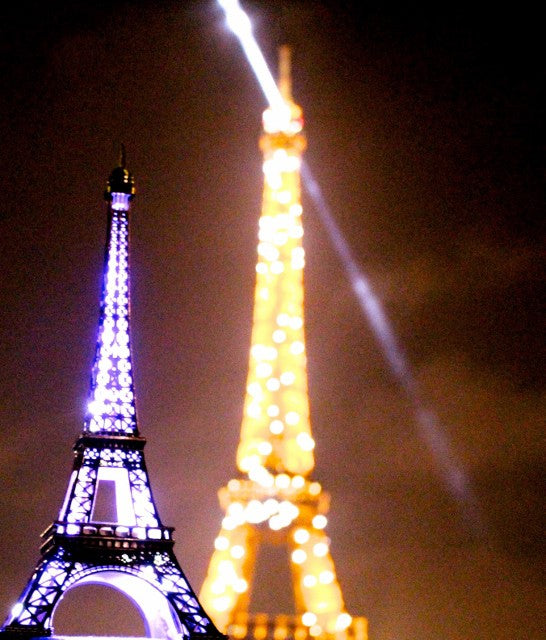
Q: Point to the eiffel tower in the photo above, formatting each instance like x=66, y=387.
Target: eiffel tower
x=275, y=501
x=130, y=550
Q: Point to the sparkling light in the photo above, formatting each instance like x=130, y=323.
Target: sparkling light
x=326, y=577
x=110, y=408
x=309, y=619
x=276, y=427
x=320, y=521
x=309, y=581
x=301, y=536
x=221, y=543
x=299, y=557
x=343, y=621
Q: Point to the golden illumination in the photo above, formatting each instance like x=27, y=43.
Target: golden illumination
x=275, y=499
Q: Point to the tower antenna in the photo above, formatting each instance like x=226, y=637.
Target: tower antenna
x=122, y=156
x=285, y=76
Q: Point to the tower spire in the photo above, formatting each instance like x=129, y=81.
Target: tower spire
x=122, y=155
x=275, y=500
x=123, y=545
x=285, y=77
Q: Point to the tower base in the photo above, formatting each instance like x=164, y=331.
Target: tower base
x=146, y=571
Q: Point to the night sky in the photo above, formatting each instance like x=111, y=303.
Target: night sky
x=425, y=132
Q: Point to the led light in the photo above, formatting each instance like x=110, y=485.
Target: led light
x=17, y=609
x=235, y=509
x=309, y=619
x=314, y=490
x=287, y=378
x=273, y=178
x=255, y=512
x=264, y=370
x=326, y=577
x=298, y=482
x=282, y=481
x=304, y=440
x=265, y=448
x=277, y=267
x=284, y=197
x=315, y=630
x=289, y=510
x=273, y=384
x=343, y=621
x=296, y=209
x=226, y=569
x=279, y=336
x=297, y=347
x=276, y=523
x=296, y=323
x=273, y=410
x=320, y=521
x=218, y=587
x=281, y=238
x=229, y=523
x=283, y=319
x=309, y=581
x=240, y=585
x=221, y=543
x=249, y=462
x=293, y=163
x=271, y=505
x=237, y=551
x=221, y=604
x=268, y=251
x=254, y=410
x=292, y=418
x=280, y=155
x=234, y=485
x=254, y=389
x=301, y=536
x=154, y=534
x=296, y=231
x=299, y=556
x=320, y=549
x=261, y=475
x=276, y=427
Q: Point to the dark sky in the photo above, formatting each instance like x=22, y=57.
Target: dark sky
x=425, y=131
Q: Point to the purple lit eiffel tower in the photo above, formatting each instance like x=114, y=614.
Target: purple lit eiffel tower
x=129, y=549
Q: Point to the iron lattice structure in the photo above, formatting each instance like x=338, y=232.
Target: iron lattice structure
x=275, y=501
x=130, y=549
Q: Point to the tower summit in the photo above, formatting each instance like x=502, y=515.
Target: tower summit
x=275, y=500
x=94, y=541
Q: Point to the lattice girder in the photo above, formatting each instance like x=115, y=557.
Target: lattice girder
x=61, y=569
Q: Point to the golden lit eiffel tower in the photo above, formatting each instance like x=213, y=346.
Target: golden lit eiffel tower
x=275, y=501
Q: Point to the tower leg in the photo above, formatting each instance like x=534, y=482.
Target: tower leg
x=153, y=580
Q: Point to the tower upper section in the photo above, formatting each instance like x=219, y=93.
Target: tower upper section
x=276, y=432
x=111, y=404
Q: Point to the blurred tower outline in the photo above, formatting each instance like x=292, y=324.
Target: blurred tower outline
x=275, y=501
